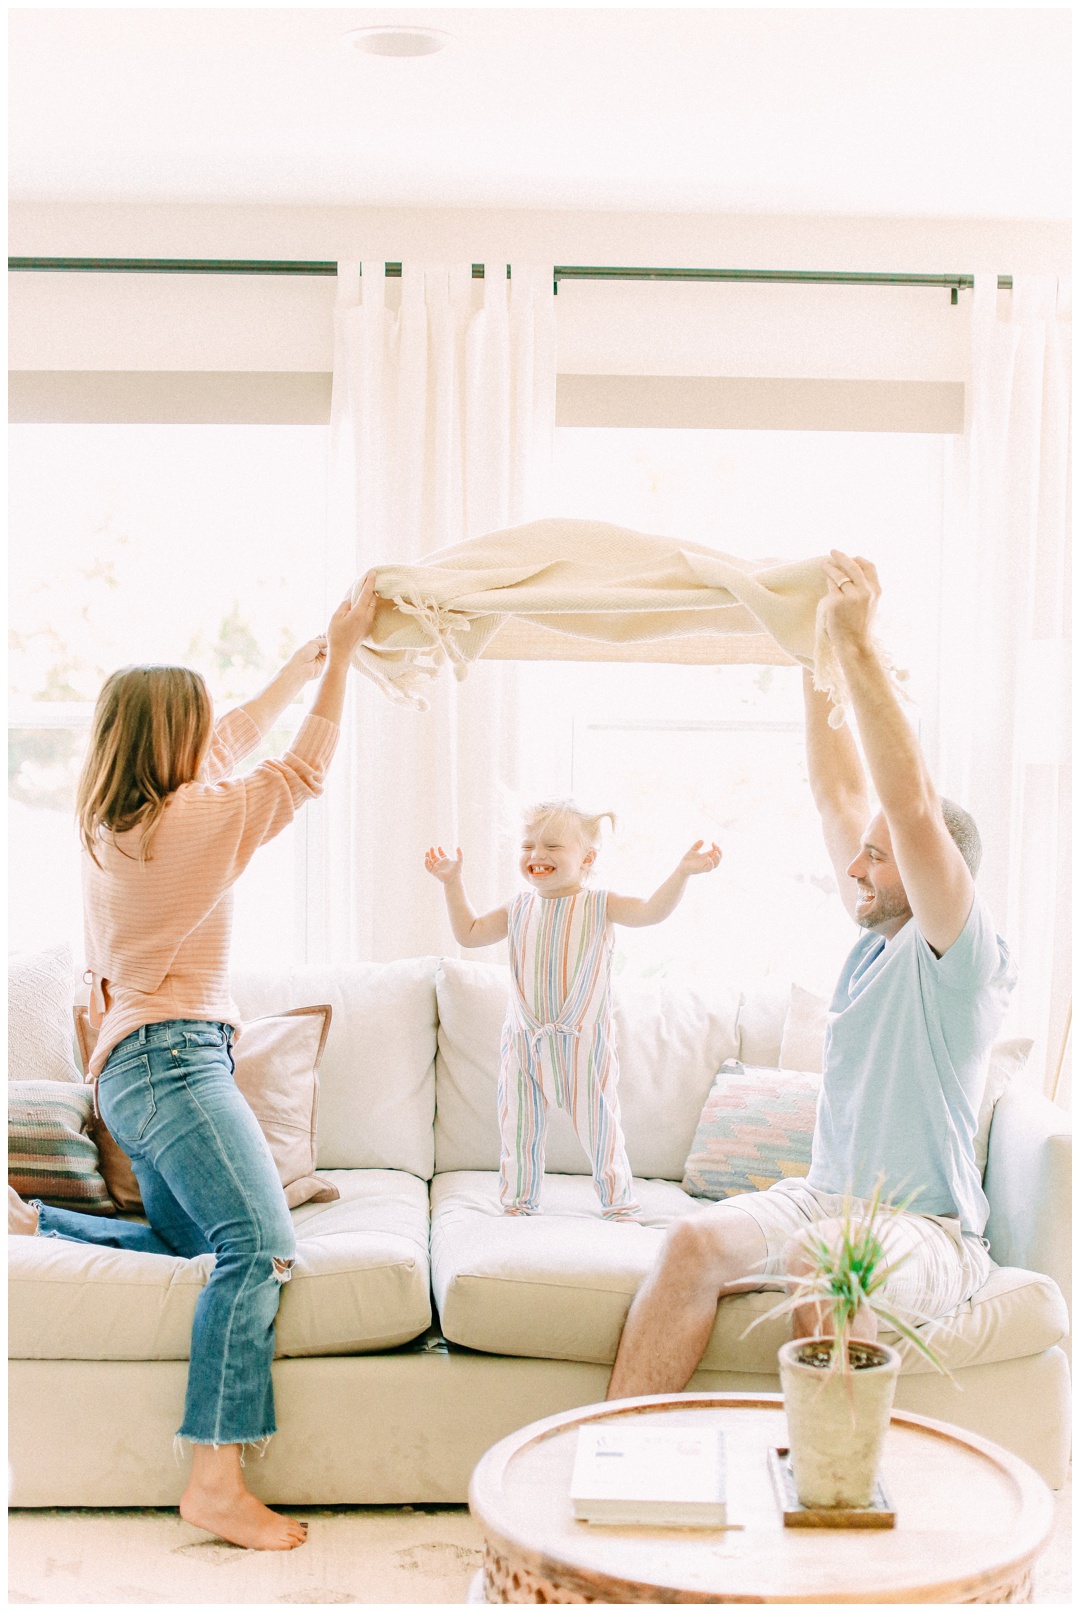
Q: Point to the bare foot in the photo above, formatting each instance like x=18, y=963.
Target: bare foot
x=218, y=1499
x=242, y=1520
x=22, y=1218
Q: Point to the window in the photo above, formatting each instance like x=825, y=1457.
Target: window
x=205, y=544
x=717, y=751
x=198, y=544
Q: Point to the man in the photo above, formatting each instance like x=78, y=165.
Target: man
x=916, y=1009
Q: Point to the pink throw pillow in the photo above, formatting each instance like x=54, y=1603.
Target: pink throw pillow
x=277, y=1071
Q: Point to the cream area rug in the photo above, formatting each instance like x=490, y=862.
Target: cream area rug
x=363, y=1555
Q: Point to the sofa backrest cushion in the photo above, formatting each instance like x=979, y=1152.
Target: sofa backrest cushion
x=377, y=1075
x=762, y=1016
x=40, y=1045
x=1029, y=1185
x=670, y=1042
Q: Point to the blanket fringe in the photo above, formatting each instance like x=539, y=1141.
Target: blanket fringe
x=404, y=675
x=443, y=627
x=402, y=679
x=829, y=677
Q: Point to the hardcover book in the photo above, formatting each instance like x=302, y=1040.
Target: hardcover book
x=660, y=1475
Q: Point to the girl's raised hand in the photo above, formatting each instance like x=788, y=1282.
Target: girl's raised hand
x=700, y=860
x=445, y=868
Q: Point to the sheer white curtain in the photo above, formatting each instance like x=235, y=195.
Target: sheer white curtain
x=441, y=429
x=1005, y=631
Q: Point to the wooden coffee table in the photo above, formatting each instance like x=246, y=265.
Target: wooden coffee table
x=971, y=1519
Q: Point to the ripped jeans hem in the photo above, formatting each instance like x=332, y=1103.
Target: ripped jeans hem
x=258, y=1444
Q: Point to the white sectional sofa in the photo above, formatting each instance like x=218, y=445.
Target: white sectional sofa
x=421, y=1325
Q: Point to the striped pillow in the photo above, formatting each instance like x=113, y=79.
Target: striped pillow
x=756, y=1128
x=51, y=1154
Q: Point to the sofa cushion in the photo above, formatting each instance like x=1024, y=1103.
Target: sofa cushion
x=52, y=1154
x=377, y=1075
x=802, y=1044
x=761, y=1022
x=554, y=1285
x=40, y=986
x=1015, y=1313
x=670, y=1043
x=756, y=1127
x=360, y=1283
x=1007, y=1060
x=276, y=1067
x=558, y=1285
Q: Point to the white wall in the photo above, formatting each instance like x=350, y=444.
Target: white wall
x=927, y=245
x=252, y=323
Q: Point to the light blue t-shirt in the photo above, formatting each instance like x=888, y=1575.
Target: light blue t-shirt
x=905, y=1066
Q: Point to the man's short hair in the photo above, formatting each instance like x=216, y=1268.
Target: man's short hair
x=962, y=826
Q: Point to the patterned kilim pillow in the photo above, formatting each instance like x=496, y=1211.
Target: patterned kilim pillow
x=51, y=1154
x=755, y=1129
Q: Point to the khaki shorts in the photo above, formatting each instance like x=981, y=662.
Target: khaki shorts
x=940, y=1269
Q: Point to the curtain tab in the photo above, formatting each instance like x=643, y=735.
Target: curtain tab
x=372, y=283
x=459, y=284
x=984, y=298
x=348, y=283
x=496, y=285
x=413, y=283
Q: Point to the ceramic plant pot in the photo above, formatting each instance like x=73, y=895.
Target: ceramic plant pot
x=837, y=1421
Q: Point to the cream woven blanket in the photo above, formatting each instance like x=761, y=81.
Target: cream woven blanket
x=572, y=589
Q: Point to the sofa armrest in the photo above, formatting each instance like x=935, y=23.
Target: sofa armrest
x=1029, y=1184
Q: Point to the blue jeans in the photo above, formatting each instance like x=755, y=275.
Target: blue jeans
x=209, y=1186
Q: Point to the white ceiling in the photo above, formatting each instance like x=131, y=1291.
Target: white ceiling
x=913, y=112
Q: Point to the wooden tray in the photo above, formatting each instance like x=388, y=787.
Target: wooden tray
x=796, y=1515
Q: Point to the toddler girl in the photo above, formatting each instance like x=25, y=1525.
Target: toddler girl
x=558, y=1040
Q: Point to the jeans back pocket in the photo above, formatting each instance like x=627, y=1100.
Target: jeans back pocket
x=126, y=1099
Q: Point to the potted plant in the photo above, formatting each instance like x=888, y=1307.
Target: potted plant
x=838, y=1390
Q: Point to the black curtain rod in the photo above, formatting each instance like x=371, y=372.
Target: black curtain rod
x=953, y=283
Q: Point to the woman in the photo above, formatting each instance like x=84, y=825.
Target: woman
x=166, y=832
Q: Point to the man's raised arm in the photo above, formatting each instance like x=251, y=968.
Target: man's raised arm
x=935, y=877
x=838, y=785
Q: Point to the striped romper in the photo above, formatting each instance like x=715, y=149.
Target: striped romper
x=558, y=1046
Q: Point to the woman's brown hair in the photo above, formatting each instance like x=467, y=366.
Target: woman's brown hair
x=151, y=727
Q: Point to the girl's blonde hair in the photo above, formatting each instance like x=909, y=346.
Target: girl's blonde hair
x=564, y=817
x=151, y=727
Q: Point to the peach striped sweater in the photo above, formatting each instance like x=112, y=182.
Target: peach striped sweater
x=158, y=932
